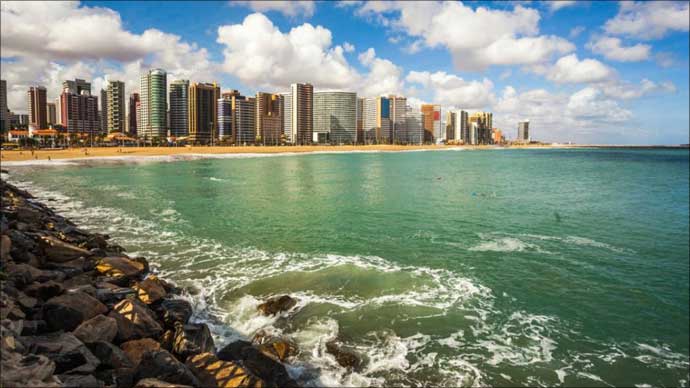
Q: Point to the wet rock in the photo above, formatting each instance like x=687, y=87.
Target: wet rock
x=59, y=251
x=110, y=355
x=260, y=365
x=20, y=243
x=65, y=350
x=66, y=312
x=134, y=320
x=167, y=340
x=213, y=372
x=113, y=295
x=135, y=349
x=190, y=339
x=98, y=328
x=119, y=267
x=44, y=291
x=34, y=327
x=279, y=349
x=96, y=241
x=277, y=304
x=155, y=383
x=346, y=359
x=150, y=290
x=175, y=310
x=162, y=365
x=80, y=381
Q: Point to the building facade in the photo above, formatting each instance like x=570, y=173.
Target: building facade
x=244, y=110
x=225, y=116
x=203, y=112
x=4, y=111
x=133, y=113
x=414, y=127
x=484, y=121
x=302, y=107
x=376, y=121
x=80, y=112
x=523, y=131
x=154, y=106
x=179, y=108
x=37, y=100
x=398, y=110
x=52, y=113
x=269, y=118
x=287, y=117
x=115, y=113
x=432, y=123
x=77, y=86
x=103, y=113
x=335, y=117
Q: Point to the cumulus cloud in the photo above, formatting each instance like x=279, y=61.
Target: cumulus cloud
x=570, y=69
x=260, y=55
x=628, y=90
x=291, y=8
x=384, y=76
x=649, y=19
x=576, y=31
x=512, y=39
x=449, y=89
x=613, y=49
x=348, y=47
x=556, y=5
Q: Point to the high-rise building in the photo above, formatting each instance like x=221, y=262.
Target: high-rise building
x=473, y=135
x=335, y=117
x=79, y=112
x=484, y=122
x=52, y=113
x=287, y=117
x=179, y=108
x=244, y=110
x=4, y=111
x=302, y=113
x=432, y=123
x=414, y=127
x=203, y=112
x=133, y=114
x=37, y=100
x=451, y=117
x=360, y=120
x=154, y=107
x=269, y=118
x=398, y=110
x=76, y=86
x=103, y=114
x=115, y=93
x=376, y=121
x=523, y=131
x=496, y=136
x=225, y=117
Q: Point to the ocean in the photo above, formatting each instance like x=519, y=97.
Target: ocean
x=449, y=268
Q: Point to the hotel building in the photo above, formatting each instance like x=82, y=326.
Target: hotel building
x=133, y=113
x=244, y=110
x=523, y=131
x=115, y=114
x=37, y=100
x=432, y=123
x=302, y=108
x=52, y=113
x=376, y=122
x=335, y=117
x=269, y=118
x=203, y=113
x=179, y=106
x=79, y=112
x=154, y=106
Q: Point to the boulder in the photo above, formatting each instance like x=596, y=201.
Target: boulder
x=26, y=371
x=120, y=267
x=110, y=355
x=134, y=320
x=80, y=381
x=44, y=291
x=34, y=327
x=59, y=251
x=66, y=312
x=167, y=340
x=162, y=365
x=65, y=350
x=25, y=301
x=150, y=290
x=135, y=349
x=259, y=364
x=213, y=372
x=98, y=328
x=346, y=359
x=279, y=349
x=155, y=383
x=190, y=339
x=5, y=247
x=175, y=310
x=277, y=304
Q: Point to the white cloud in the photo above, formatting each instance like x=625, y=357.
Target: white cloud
x=570, y=69
x=665, y=59
x=649, y=19
x=627, y=90
x=556, y=5
x=613, y=49
x=366, y=58
x=384, y=76
x=576, y=31
x=289, y=8
x=591, y=104
x=449, y=89
x=260, y=55
x=512, y=39
x=414, y=47
x=348, y=47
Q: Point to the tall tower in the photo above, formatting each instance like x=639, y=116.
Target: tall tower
x=269, y=118
x=104, y=110
x=4, y=112
x=203, y=112
x=133, y=113
x=115, y=113
x=154, y=107
x=38, y=116
x=302, y=113
x=335, y=117
x=179, y=105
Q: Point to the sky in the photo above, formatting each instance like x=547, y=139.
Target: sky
x=585, y=72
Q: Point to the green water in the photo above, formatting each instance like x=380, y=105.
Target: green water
x=515, y=267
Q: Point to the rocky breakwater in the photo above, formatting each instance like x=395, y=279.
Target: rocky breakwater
x=76, y=311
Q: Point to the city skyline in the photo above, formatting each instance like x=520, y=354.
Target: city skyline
x=603, y=73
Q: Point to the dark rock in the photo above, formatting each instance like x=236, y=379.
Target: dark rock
x=68, y=353
x=162, y=365
x=155, y=383
x=96, y=241
x=150, y=290
x=344, y=357
x=167, y=340
x=135, y=349
x=257, y=363
x=212, y=372
x=98, y=328
x=279, y=349
x=277, y=304
x=110, y=355
x=21, y=242
x=59, y=251
x=25, y=301
x=26, y=371
x=5, y=247
x=190, y=339
x=67, y=361
x=34, y=327
x=175, y=310
x=134, y=320
x=113, y=295
x=66, y=312
x=80, y=381
x=120, y=267
x=45, y=290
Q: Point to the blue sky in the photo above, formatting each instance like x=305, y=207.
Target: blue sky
x=595, y=72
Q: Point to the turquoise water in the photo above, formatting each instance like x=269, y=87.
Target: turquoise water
x=505, y=267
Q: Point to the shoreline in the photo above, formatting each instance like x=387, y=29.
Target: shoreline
x=78, y=311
